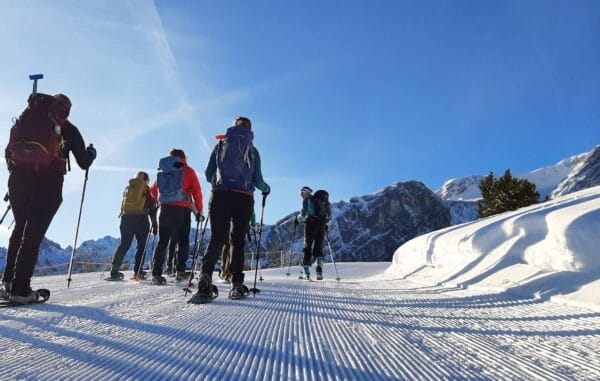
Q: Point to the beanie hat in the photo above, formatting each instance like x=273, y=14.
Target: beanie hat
x=177, y=152
x=243, y=121
x=143, y=175
x=306, y=189
x=63, y=103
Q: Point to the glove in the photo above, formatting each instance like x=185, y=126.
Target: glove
x=199, y=217
x=300, y=218
x=326, y=227
x=266, y=193
x=91, y=152
x=154, y=229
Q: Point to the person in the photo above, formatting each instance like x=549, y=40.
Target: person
x=314, y=233
x=35, y=186
x=233, y=171
x=138, y=204
x=178, y=191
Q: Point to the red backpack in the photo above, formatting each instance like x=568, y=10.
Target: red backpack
x=35, y=139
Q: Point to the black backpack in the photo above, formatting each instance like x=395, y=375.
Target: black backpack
x=321, y=205
x=35, y=139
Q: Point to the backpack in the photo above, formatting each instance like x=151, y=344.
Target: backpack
x=235, y=159
x=170, y=180
x=321, y=205
x=134, y=197
x=35, y=138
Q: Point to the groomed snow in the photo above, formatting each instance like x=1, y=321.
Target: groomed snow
x=549, y=250
x=377, y=328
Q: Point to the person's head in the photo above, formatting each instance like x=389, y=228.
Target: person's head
x=243, y=121
x=179, y=153
x=61, y=107
x=305, y=192
x=143, y=176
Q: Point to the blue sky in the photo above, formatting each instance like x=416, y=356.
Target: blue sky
x=348, y=98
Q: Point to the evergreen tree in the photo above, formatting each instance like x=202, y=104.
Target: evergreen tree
x=504, y=194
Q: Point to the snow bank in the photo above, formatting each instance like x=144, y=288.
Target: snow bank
x=548, y=250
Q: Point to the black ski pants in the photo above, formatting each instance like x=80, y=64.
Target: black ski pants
x=314, y=235
x=34, y=198
x=230, y=214
x=132, y=225
x=172, y=220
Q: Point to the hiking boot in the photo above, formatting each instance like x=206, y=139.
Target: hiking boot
x=204, y=286
x=237, y=292
x=116, y=275
x=158, y=280
x=27, y=299
x=181, y=275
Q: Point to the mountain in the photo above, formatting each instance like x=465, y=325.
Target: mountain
x=574, y=173
x=370, y=227
x=546, y=179
x=586, y=174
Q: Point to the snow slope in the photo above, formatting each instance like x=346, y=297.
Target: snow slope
x=358, y=329
x=548, y=250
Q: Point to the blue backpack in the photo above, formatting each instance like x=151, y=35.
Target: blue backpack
x=235, y=160
x=170, y=180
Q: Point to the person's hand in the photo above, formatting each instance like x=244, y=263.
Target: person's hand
x=199, y=217
x=91, y=152
x=267, y=192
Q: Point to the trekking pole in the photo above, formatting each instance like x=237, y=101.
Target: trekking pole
x=292, y=248
x=77, y=229
x=196, y=251
x=6, y=198
x=262, y=215
x=332, y=259
x=137, y=275
x=257, y=250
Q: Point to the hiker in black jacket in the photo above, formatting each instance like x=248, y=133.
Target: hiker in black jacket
x=35, y=188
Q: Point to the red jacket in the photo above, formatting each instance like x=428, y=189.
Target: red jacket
x=190, y=186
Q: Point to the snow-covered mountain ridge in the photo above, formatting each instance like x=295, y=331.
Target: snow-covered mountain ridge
x=552, y=181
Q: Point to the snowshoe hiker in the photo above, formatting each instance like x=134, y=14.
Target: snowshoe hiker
x=37, y=155
x=178, y=192
x=137, y=205
x=315, y=214
x=233, y=171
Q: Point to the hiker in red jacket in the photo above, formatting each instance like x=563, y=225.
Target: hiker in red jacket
x=178, y=192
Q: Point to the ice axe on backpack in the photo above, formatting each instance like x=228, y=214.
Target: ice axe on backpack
x=255, y=290
x=34, y=78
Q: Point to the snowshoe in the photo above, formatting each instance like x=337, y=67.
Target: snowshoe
x=141, y=276
x=116, y=276
x=35, y=297
x=203, y=297
x=158, y=281
x=238, y=292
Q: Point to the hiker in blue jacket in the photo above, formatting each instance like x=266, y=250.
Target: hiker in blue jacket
x=234, y=171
